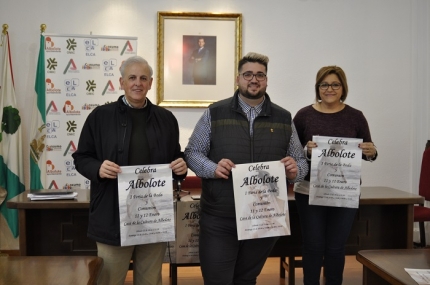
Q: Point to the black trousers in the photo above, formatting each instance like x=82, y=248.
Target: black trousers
x=325, y=231
x=224, y=260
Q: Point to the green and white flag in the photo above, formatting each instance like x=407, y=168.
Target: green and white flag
x=11, y=160
x=38, y=128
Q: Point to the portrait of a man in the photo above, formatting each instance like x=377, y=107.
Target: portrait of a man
x=199, y=60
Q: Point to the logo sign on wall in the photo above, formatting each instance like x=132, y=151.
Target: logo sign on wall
x=82, y=72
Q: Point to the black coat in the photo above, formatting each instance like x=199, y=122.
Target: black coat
x=106, y=136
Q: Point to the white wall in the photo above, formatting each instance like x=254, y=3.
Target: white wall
x=383, y=46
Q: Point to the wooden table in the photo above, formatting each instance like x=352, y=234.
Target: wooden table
x=388, y=266
x=54, y=227
x=384, y=221
x=43, y=270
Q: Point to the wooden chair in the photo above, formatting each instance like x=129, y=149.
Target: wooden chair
x=184, y=186
x=190, y=182
x=421, y=212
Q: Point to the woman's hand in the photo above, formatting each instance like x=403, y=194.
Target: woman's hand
x=310, y=145
x=369, y=149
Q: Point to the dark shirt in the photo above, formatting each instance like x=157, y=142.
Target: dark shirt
x=347, y=123
x=139, y=146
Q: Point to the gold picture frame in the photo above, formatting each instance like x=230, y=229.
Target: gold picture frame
x=197, y=57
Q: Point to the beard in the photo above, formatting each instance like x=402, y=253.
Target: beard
x=245, y=93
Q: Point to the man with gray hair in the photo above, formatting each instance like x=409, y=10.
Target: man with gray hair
x=245, y=128
x=131, y=131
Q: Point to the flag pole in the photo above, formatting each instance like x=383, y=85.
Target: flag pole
x=5, y=26
x=38, y=132
x=4, y=32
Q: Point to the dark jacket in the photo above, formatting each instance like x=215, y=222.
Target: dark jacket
x=106, y=136
x=230, y=138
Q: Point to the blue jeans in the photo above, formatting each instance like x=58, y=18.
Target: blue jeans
x=325, y=231
x=224, y=260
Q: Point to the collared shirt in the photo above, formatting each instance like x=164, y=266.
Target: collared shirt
x=251, y=112
x=128, y=104
x=198, y=146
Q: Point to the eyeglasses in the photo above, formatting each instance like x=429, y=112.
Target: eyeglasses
x=334, y=86
x=249, y=75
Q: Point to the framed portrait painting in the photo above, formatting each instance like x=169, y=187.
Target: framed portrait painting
x=197, y=57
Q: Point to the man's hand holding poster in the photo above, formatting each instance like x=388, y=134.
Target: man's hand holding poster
x=260, y=194
x=335, y=172
x=146, y=204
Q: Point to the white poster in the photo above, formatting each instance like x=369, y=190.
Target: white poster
x=261, y=200
x=335, y=172
x=145, y=195
x=187, y=230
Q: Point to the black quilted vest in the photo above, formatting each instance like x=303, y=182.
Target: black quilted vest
x=230, y=138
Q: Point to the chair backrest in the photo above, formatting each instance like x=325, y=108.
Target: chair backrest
x=191, y=182
x=424, y=188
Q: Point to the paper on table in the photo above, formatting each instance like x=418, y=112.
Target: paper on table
x=40, y=196
x=421, y=276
